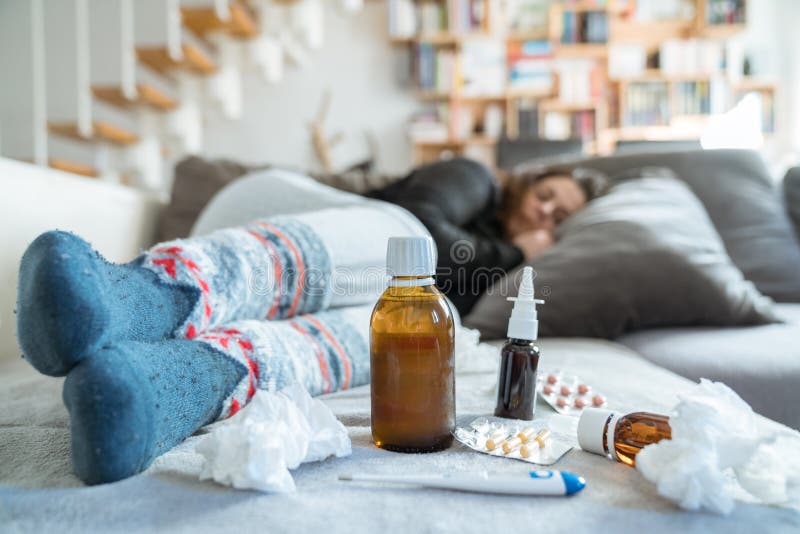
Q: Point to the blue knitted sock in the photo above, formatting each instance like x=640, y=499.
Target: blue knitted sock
x=132, y=401
x=71, y=301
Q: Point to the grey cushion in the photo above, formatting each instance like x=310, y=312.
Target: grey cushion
x=645, y=255
x=738, y=192
x=761, y=363
x=791, y=194
x=196, y=181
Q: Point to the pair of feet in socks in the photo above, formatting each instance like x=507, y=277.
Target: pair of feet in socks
x=133, y=390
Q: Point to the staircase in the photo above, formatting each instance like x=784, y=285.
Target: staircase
x=119, y=89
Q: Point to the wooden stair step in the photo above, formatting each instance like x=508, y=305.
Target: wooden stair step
x=73, y=167
x=146, y=95
x=101, y=131
x=204, y=20
x=159, y=60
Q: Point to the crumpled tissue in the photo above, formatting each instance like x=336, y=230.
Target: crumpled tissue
x=719, y=452
x=275, y=432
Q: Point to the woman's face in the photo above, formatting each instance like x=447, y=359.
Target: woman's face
x=545, y=204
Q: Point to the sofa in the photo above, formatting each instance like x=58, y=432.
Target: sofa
x=761, y=363
x=644, y=370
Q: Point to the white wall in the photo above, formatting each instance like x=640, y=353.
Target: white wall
x=364, y=73
x=772, y=42
x=16, y=83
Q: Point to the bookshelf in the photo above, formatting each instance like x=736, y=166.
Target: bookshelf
x=563, y=70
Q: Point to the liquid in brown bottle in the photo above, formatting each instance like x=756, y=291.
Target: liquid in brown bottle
x=621, y=437
x=516, y=387
x=412, y=358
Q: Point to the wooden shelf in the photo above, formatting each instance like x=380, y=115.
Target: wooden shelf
x=432, y=95
x=585, y=5
x=101, y=132
x=655, y=75
x=591, y=50
x=621, y=28
x=720, y=31
x=444, y=38
x=73, y=167
x=159, y=60
x=527, y=93
x=650, y=33
x=205, y=20
x=146, y=95
x=754, y=84
x=508, y=94
x=481, y=98
x=455, y=143
x=527, y=36
x=567, y=107
x=452, y=39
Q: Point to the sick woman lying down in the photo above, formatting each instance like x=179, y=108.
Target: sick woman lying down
x=278, y=291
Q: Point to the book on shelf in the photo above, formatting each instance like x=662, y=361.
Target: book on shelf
x=645, y=104
x=725, y=12
x=430, y=125
x=691, y=56
x=483, y=67
x=701, y=97
x=562, y=125
x=656, y=10
x=584, y=27
x=526, y=16
x=402, y=18
x=580, y=80
x=435, y=68
x=527, y=119
x=530, y=66
x=408, y=18
x=626, y=60
x=572, y=4
x=466, y=15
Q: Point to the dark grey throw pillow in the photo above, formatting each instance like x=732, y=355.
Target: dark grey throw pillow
x=196, y=181
x=741, y=199
x=645, y=255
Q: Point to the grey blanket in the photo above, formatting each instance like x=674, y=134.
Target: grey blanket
x=38, y=492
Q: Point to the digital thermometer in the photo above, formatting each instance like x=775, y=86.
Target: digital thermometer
x=532, y=483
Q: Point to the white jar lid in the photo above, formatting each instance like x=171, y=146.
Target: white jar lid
x=411, y=256
x=590, y=429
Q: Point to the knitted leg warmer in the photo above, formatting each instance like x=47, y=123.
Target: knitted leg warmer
x=131, y=401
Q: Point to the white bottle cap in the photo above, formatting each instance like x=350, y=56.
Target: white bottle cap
x=524, y=323
x=590, y=429
x=411, y=256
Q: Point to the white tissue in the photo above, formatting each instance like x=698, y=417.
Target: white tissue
x=275, y=432
x=719, y=447
x=472, y=356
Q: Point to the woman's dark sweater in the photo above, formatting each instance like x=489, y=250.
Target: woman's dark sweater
x=457, y=201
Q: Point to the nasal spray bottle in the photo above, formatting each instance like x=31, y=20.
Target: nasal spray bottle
x=516, y=385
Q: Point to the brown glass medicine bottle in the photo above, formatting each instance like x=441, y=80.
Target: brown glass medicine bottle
x=412, y=354
x=621, y=437
x=519, y=357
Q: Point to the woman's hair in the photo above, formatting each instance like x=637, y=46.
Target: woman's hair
x=593, y=184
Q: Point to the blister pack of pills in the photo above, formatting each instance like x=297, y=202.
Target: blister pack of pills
x=568, y=394
x=529, y=441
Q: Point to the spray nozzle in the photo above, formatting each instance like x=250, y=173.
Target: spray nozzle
x=524, y=323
